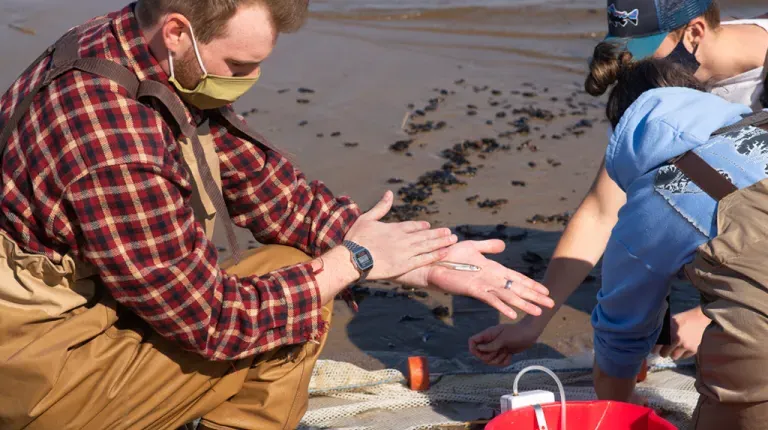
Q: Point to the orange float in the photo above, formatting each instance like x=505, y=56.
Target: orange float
x=418, y=373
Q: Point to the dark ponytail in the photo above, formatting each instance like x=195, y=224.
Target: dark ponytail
x=613, y=66
x=606, y=65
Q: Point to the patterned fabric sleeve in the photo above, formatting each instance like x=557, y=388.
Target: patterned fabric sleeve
x=269, y=196
x=126, y=213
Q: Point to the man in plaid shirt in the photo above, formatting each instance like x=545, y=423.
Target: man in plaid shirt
x=114, y=311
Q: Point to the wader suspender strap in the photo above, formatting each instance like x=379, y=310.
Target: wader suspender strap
x=757, y=119
x=712, y=183
x=704, y=175
x=65, y=57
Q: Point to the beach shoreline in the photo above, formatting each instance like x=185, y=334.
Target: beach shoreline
x=489, y=76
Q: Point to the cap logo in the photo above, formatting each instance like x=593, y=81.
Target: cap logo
x=622, y=18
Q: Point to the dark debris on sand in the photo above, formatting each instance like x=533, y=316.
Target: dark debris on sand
x=562, y=219
x=249, y=112
x=501, y=231
x=405, y=212
x=425, y=127
x=441, y=312
x=492, y=204
x=579, y=128
x=536, y=263
x=536, y=113
x=417, y=196
x=401, y=146
x=524, y=118
x=532, y=257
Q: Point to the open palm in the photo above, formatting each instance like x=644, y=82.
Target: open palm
x=488, y=284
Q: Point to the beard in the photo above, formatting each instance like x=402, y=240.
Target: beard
x=187, y=70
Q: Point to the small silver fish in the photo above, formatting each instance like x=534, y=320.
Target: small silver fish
x=461, y=267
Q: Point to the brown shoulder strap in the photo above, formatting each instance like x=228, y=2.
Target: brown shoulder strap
x=65, y=58
x=757, y=119
x=242, y=128
x=704, y=175
x=157, y=91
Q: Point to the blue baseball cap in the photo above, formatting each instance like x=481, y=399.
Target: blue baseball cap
x=641, y=25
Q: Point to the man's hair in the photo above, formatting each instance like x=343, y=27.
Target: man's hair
x=209, y=18
x=712, y=15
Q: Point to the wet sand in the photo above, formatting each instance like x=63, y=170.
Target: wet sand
x=366, y=80
x=489, y=75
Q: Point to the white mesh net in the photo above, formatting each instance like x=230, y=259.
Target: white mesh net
x=346, y=396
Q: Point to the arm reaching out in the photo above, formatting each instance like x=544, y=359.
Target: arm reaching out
x=579, y=249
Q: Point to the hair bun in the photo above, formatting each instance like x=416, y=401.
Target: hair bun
x=608, y=62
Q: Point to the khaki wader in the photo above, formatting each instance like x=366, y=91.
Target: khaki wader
x=731, y=273
x=72, y=358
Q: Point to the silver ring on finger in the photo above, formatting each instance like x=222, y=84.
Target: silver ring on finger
x=508, y=285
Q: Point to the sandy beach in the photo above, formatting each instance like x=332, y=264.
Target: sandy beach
x=504, y=84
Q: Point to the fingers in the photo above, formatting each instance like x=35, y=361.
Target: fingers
x=414, y=226
x=490, y=346
x=678, y=353
x=681, y=353
x=434, y=244
x=493, y=246
x=530, y=295
x=381, y=209
x=520, y=279
x=656, y=349
x=687, y=354
x=666, y=350
x=485, y=336
x=489, y=358
x=502, y=357
x=421, y=236
x=426, y=259
x=523, y=298
x=493, y=300
x=511, y=298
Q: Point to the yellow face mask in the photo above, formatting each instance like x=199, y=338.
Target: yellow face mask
x=213, y=91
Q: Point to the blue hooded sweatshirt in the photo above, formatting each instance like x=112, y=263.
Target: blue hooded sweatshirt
x=666, y=217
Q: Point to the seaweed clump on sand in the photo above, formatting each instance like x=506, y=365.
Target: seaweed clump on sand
x=536, y=113
x=405, y=212
x=563, y=219
x=500, y=231
x=492, y=204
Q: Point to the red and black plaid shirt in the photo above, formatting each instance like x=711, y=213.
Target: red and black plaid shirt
x=91, y=173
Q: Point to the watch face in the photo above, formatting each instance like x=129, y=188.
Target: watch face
x=364, y=260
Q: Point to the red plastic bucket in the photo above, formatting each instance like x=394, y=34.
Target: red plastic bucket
x=598, y=415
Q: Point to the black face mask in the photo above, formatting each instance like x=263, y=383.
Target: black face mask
x=681, y=56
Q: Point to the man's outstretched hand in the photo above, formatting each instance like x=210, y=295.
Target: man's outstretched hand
x=486, y=285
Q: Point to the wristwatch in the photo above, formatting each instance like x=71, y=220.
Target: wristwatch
x=361, y=258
